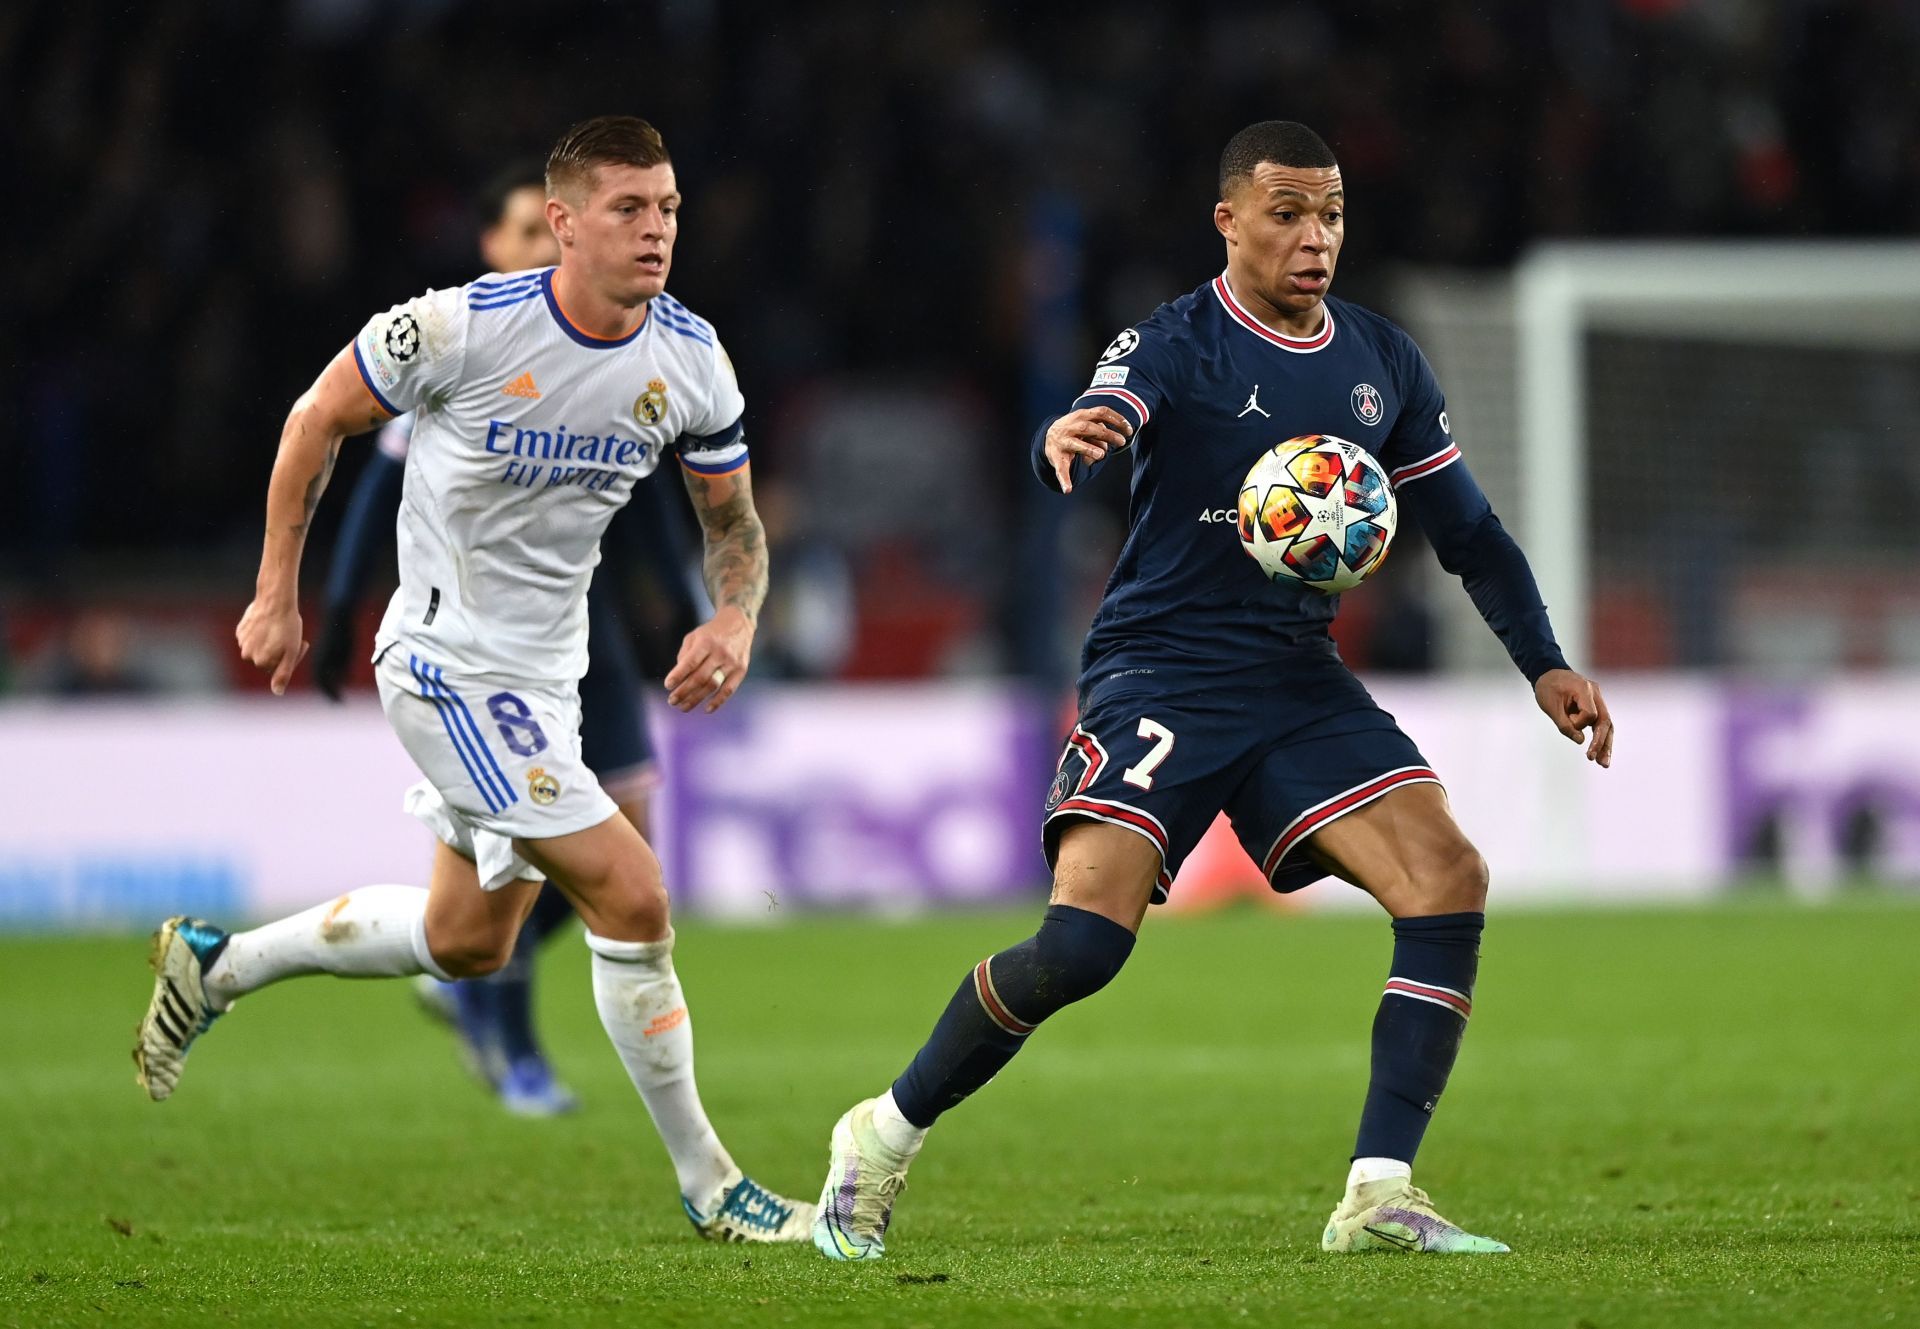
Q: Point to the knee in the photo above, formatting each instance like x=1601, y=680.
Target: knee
x=631, y=906
x=1458, y=883
x=471, y=956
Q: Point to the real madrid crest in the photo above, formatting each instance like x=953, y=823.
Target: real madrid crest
x=541, y=787
x=1368, y=404
x=650, y=407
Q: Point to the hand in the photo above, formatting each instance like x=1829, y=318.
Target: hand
x=1090, y=432
x=333, y=655
x=269, y=637
x=713, y=662
x=1574, y=704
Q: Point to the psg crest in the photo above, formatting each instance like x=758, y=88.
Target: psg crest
x=1367, y=404
x=1058, y=793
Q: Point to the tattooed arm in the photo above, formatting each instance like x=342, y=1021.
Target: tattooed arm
x=338, y=404
x=713, y=658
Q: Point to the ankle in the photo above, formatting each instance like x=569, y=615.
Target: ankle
x=1368, y=1171
x=895, y=1131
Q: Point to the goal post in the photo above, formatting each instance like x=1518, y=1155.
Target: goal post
x=1517, y=355
x=1786, y=292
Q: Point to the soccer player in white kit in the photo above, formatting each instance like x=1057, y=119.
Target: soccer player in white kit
x=539, y=398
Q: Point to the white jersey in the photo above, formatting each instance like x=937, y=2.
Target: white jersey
x=528, y=435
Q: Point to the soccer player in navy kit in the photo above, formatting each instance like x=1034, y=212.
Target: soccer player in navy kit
x=1205, y=687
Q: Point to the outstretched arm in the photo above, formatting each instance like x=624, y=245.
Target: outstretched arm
x=337, y=405
x=714, y=657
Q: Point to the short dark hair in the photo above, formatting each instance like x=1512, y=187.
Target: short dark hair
x=1282, y=142
x=605, y=140
x=490, y=204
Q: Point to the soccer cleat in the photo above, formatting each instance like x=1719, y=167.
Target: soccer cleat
x=1395, y=1215
x=744, y=1210
x=864, y=1178
x=529, y=1089
x=180, y=954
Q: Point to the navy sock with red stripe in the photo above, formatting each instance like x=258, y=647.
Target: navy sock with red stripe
x=1073, y=955
x=1417, y=1031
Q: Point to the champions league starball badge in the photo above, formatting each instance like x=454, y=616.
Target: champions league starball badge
x=403, y=338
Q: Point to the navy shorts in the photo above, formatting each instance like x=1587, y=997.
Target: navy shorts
x=614, y=742
x=1163, y=755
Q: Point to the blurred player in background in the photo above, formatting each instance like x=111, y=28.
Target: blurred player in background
x=539, y=399
x=1205, y=687
x=494, y=1015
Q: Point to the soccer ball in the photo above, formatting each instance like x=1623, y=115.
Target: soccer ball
x=1317, y=510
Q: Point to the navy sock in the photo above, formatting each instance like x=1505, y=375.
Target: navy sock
x=509, y=999
x=1073, y=955
x=473, y=998
x=512, y=988
x=1417, y=1031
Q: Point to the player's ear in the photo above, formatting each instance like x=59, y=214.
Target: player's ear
x=1223, y=220
x=560, y=218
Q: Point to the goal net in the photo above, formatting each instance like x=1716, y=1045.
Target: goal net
x=1710, y=451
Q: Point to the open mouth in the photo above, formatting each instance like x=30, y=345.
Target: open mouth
x=653, y=264
x=1309, y=279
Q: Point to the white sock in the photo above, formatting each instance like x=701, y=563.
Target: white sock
x=645, y=1014
x=894, y=1130
x=374, y=932
x=1365, y=1170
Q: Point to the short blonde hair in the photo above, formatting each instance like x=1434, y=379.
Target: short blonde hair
x=605, y=140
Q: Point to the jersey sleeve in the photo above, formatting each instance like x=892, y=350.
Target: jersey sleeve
x=411, y=355
x=1133, y=375
x=1422, y=439
x=715, y=442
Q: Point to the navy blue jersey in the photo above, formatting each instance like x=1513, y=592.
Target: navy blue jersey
x=1209, y=388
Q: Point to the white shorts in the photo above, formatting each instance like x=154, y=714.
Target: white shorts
x=501, y=761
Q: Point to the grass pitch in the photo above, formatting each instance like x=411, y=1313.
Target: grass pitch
x=1675, y=1118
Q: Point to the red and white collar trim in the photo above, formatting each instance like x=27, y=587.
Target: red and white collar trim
x=1239, y=314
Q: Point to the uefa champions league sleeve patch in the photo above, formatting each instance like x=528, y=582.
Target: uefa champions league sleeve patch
x=1122, y=346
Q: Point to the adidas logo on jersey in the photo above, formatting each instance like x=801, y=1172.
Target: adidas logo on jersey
x=522, y=387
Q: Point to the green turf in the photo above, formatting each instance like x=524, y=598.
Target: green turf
x=1675, y=1118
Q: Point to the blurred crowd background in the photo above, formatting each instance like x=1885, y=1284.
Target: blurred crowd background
x=915, y=226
